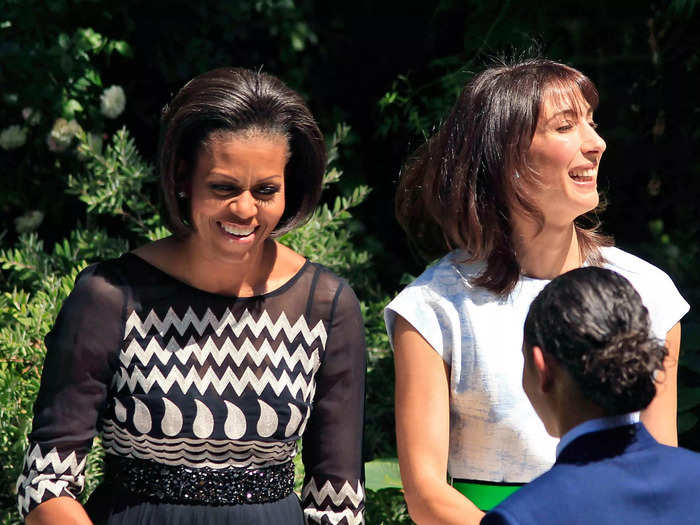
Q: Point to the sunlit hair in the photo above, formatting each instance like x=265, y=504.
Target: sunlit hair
x=458, y=189
x=241, y=103
x=593, y=322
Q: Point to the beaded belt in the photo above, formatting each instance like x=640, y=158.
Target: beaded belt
x=160, y=483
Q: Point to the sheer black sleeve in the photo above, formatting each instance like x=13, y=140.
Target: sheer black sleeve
x=80, y=361
x=333, y=491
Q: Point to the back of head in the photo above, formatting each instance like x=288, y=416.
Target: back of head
x=593, y=322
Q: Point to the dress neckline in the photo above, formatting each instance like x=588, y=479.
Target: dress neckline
x=280, y=289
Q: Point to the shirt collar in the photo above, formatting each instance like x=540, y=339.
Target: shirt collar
x=596, y=425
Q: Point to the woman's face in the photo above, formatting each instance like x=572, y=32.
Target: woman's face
x=237, y=194
x=564, y=155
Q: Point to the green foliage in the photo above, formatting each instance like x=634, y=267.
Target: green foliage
x=386, y=507
x=117, y=183
x=328, y=235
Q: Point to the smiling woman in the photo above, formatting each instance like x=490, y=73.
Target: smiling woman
x=502, y=188
x=202, y=358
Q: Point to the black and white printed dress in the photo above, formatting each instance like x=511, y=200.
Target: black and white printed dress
x=196, y=384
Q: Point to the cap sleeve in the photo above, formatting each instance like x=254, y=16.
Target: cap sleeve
x=333, y=491
x=666, y=306
x=658, y=292
x=78, y=368
x=428, y=304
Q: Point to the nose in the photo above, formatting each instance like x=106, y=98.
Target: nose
x=244, y=206
x=592, y=142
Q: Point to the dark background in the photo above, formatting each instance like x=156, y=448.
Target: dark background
x=390, y=69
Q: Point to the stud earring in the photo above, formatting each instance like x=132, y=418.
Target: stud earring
x=181, y=195
x=516, y=175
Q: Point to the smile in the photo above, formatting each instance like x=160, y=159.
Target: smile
x=583, y=176
x=238, y=231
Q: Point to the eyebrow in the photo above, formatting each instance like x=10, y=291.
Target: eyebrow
x=234, y=178
x=569, y=111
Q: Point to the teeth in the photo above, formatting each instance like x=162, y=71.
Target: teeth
x=241, y=231
x=583, y=174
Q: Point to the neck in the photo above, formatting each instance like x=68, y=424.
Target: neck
x=547, y=253
x=575, y=415
x=571, y=408
x=245, y=276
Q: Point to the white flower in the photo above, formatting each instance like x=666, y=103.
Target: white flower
x=62, y=134
x=31, y=116
x=112, y=101
x=13, y=137
x=29, y=222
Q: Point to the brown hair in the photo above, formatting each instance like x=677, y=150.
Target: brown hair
x=238, y=100
x=456, y=192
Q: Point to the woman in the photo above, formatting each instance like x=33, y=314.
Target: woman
x=590, y=364
x=203, y=357
x=504, y=184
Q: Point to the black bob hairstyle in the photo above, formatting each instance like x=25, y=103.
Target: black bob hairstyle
x=593, y=322
x=235, y=100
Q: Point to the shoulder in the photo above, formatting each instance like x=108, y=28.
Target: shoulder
x=102, y=281
x=326, y=282
x=434, y=303
x=628, y=264
x=682, y=459
x=448, y=279
x=658, y=292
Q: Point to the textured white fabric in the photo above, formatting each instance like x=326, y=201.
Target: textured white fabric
x=495, y=434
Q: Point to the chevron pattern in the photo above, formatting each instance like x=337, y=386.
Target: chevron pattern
x=324, y=504
x=245, y=351
x=218, y=382
x=172, y=321
x=347, y=492
x=33, y=486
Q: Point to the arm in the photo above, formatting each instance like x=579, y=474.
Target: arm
x=422, y=432
x=78, y=369
x=64, y=510
x=660, y=416
x=333, y=489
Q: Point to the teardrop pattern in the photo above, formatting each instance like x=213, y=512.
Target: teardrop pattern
x=267, y=424
x=203, y=424
x=294, y=420
x=119, y=411
x=235, y=424
x=306, y=420
x=172, y=419
x=142, y=417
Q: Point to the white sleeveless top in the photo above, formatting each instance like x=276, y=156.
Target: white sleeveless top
x=495, y=434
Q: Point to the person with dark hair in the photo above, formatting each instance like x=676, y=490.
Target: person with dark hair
x=504, y=188
x=591, y=362
x=203, y=357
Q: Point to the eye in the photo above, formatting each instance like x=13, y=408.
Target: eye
x=593, y=124
x=225, y=189
x=565, y=126
x=267, y=190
